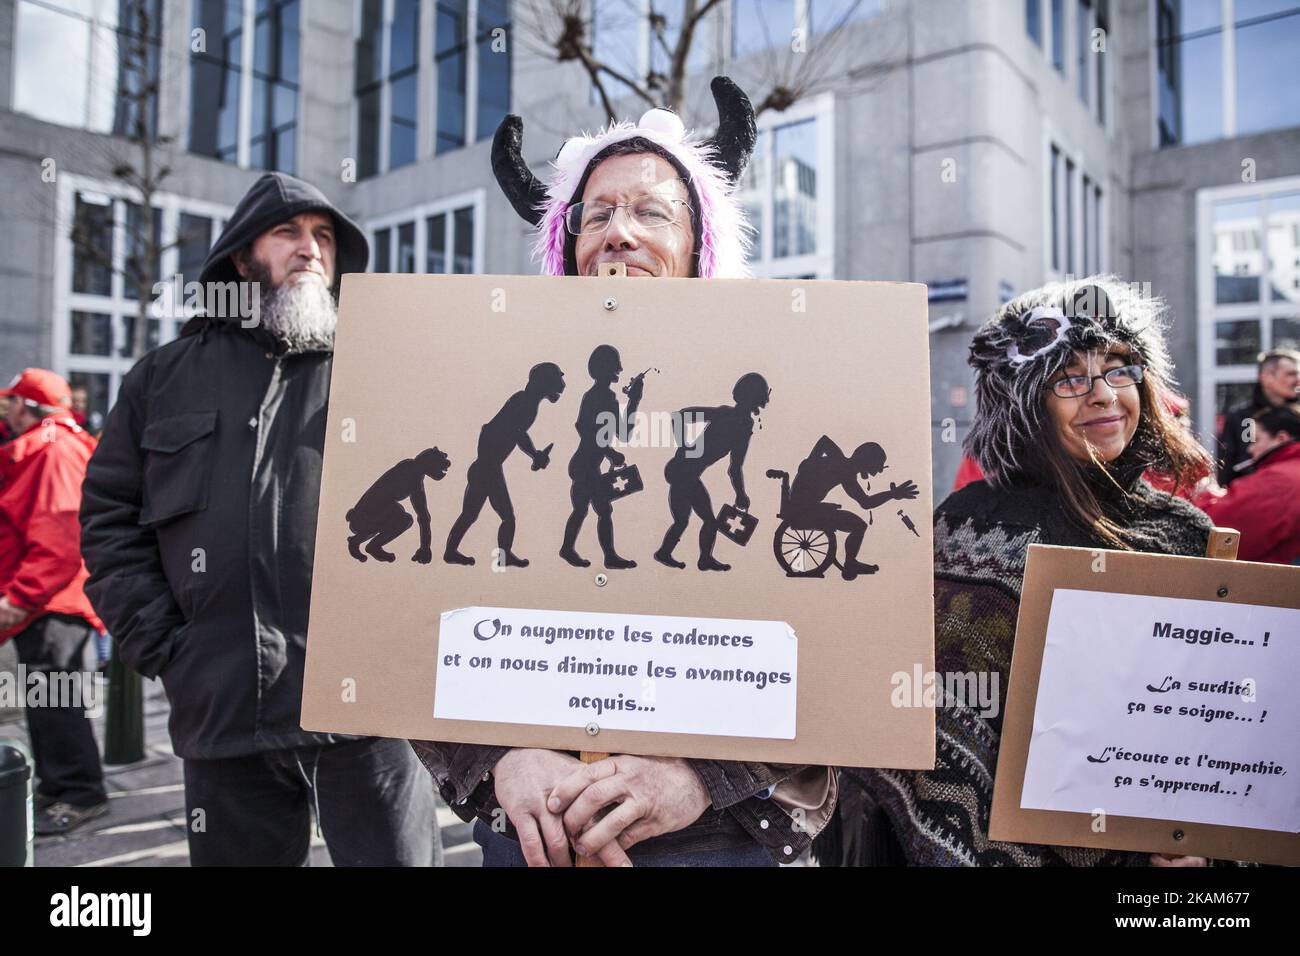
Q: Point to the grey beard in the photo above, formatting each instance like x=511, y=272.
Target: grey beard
x=301, y=316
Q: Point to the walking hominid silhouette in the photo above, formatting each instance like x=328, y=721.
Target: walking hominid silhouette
x=486, y=479
x=727, y=432
x=595, y=445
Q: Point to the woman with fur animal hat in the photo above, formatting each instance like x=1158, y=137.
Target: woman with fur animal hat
x=1069, y=379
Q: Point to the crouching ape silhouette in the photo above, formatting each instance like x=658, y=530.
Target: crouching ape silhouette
x=486, y=479
x=595, y=444
x=727, y=432
x=825, y=468
x=378, y=518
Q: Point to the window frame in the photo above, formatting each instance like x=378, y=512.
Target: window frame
x=426, y=84
x=1228, y=36
x=1076, y=213
x=475, y=199
x=115, y=304
x=247, y=67
x=1209, y=312
x=819, y=264
x=93, y=23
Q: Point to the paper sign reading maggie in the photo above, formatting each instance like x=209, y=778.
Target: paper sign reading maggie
x=619, y=671
x=1168, y=708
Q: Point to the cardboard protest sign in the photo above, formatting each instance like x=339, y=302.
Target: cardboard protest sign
x=1152, y=707
x=618, y=515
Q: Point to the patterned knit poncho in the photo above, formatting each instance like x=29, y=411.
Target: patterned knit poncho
x=981, y=539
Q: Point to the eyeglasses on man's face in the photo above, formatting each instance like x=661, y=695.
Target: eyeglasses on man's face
x=1077, y=386
x=648, y=212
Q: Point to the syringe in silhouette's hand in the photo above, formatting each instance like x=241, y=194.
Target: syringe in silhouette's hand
x=637, y=380
x=908, y=522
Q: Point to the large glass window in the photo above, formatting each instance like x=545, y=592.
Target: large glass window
x=1268, y=50
x=386, y=69
x=1069, y=215
x=794, y=190
x=451, y=54
x=403, y=76
x=1057, y=208
x=222, y=76
x=92, y=333
x=143, y=248
x=1197, y=101
x=1082, y=44
x=786, y=192
x=92, y=256
x=79, y=62
x=494, y=52
x=1058, y=34
x=275, y=85
x=1034, y=20
x=437, y=238
x=1249, y=299
x=1103, y=27
x=368, y=86
x=1076, y=217
x=113, y=246
x=758, y=25
x=1238, y=258
x=193, y=240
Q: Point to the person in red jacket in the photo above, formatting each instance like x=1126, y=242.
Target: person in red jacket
x=42, y=605
x=1264, y=503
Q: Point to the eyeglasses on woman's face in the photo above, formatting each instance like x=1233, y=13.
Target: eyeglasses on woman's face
x=648, y=212
x=1077, y=386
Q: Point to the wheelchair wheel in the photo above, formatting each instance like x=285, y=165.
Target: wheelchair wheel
x=804, y=552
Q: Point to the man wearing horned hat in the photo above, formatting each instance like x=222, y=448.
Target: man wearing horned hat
x=663, y=203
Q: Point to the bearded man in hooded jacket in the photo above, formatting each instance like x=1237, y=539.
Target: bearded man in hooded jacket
x=198, y=528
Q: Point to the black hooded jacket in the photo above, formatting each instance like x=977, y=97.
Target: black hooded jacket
x=198, y=512
x=1233, y=447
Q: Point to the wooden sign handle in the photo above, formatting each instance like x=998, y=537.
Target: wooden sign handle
x=588, y=756
x=1223, y=544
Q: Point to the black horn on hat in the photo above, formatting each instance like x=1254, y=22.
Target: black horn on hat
x=525, y=191
x=737, y=134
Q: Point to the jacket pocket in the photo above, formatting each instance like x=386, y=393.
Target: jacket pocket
x=177, y=468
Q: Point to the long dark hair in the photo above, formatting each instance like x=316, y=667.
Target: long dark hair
x=1161, y=444
x=1012, y=435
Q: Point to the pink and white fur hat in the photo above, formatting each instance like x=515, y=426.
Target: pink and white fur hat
x=710, y=169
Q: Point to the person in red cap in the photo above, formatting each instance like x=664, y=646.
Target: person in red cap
x=43, y=607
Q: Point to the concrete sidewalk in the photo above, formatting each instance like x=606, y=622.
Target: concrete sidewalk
x=145, y=825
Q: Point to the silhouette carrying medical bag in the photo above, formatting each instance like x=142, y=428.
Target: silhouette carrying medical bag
x=737, y=525
x=620, y=482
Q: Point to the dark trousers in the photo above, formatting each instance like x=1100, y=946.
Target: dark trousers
x=501, y=851
x=63, y=744
x=372, y=799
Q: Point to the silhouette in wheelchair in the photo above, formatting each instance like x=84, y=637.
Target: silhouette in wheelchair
x=805, y=541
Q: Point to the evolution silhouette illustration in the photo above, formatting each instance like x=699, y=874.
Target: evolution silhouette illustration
x=805, y=541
